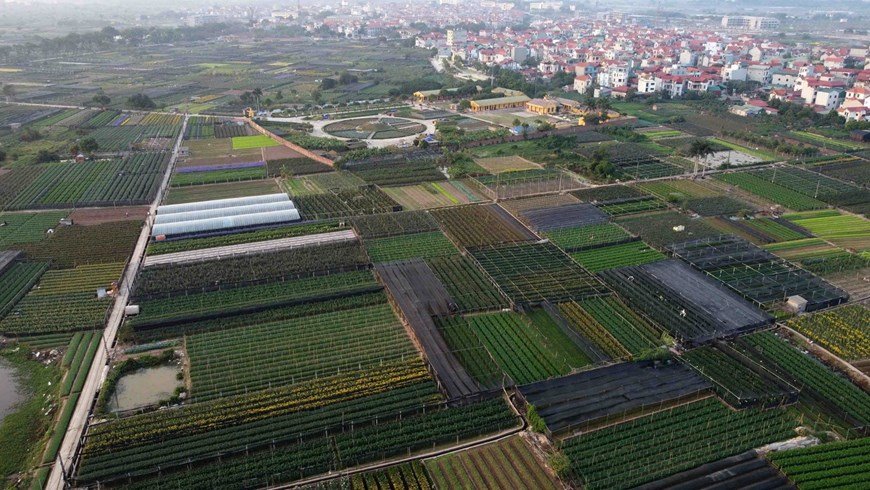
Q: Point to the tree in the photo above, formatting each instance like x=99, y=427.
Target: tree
x=9, y=90
x=700, y=148
x=141, y=101
x=89, y=145
x=316, y=95
x=44, y=156
x=516, y=122
x=29, y=134
x=2, y=155
x=279, y=95
x=328, y=84
x=347, y=79
x=102, y=100
x=464, y=104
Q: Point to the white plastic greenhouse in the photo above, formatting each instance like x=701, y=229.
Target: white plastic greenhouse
x=223, y=212
x=221, y=203
x=224, y=223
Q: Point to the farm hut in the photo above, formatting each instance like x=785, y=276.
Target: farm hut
x=860, y=135
x=223, y=212
x=222, y=203
x=796, y=304
x=239, y=222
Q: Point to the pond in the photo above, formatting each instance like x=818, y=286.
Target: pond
x=144, y=387
x=10, y=391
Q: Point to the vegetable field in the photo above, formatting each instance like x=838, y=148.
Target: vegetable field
x=634, y=333
x=16, y=281
x=585, y=237
x=473, y=226
x=27, y=227
x=769, y=190
x=844, y=230
x=466, y=284
x=633, y=453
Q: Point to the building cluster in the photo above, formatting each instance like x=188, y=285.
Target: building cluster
x=618, y=60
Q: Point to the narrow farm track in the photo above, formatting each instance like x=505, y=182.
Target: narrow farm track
x=97, y=372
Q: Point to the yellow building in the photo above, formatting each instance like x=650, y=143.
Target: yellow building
x=542, y=107
x=500, y=103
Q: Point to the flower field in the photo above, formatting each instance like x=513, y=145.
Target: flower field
x=634, y=333
x=157, y=248
x=523, y=352
x=842, y=463
x=341, y=449
x=385, y=225
x=410, y=476
x=398, y=173
x=225, y=363
x=592, y=331
x=477, y=225
x=505, y=465
x=612, y=256
x=843, y=331
x=633, y=453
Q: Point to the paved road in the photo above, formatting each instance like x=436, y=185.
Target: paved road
x=97, y=373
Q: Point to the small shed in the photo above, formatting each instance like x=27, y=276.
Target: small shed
x=796, y=304
x=860, y=135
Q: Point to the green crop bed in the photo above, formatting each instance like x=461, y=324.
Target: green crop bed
x=633, y=453
x=27, y=227
x=845, y=230
x=425, y=245
x=157, y=248
x=842, y=464
x=466, y=284
x=774, y=192
x=583, y=237
x=613, y=256
x=633, y=332
x=236, y=361
x=16, y=281
x=218, y=176
x=258, y=141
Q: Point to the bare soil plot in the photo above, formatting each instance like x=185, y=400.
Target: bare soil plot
x=495, y=165
x=98, y=216
x=279, y=152
x=221, y=191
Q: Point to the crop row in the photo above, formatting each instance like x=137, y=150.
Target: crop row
x=341, y=450
x=736, y=378
x=610, y=257
x=817, y=381
x=133, y=180
x=838, y=464
x=409, y=476
x=228, y=300
x=652, y=447
x=218, y=176
x=259, y=356
x=346, y=202
x=845, y=230
x=634, y=333
x=385, y=225
x=72, y=246
x=632, y=207
x=584, y=237
x=84, y=278
x=424, y=245
x=472, y=226
x=401, y=173
x=593, y=331
x=250, y=269
x=844, y=331
x=808, y=183
x=16, y=281
x=466, y=284
x=27, y=227
x=36, y=314
x=531, y=273
x=774, y=192
x=258, y=420
x=158, y=248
